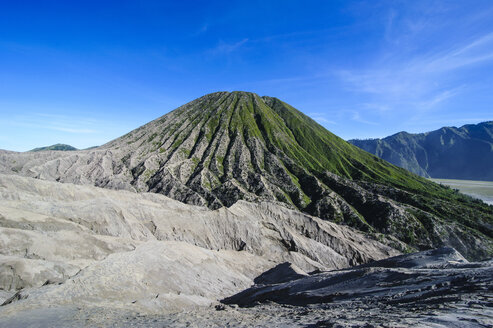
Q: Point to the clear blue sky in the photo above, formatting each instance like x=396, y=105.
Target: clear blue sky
x=85, y=72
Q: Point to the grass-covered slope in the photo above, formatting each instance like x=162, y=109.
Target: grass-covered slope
x=229, y=146
x=327, y=152
x=55, y=147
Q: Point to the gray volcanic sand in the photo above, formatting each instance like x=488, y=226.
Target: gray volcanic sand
x=80, y=256
x=350, y=314
x=478, y=189
x=437, y=288
x=64, y=246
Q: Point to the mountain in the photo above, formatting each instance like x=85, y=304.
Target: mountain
x=448, y=153
x=231, y=146
x=55, y=147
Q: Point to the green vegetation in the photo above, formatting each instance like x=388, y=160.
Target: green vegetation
x=148, y=174
x=177, y=143
x=62, y=147
x=186, y=152
x=195, y=160
x=220, y=160
x=151, y=137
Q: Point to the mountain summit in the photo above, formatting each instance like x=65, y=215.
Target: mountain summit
x=230, y=146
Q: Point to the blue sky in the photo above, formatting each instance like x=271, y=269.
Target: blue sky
x=86, y=72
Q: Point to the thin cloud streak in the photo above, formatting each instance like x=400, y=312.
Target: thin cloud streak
x=357, y=118
x=466, y=55
x=55, y=122
x=421, y=82
x=440, y=97
x=70, y=130
x=457, y=122
x=321, y=118
x=224, y=48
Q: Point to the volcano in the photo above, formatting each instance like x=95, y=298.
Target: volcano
x=231, y=146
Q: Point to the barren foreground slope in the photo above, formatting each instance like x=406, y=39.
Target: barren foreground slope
x=78, y=256
x=63, y=244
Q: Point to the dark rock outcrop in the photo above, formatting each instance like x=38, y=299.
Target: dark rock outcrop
x=439, y=276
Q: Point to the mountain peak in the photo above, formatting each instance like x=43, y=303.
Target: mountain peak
x=235, y=92
x=239, y=130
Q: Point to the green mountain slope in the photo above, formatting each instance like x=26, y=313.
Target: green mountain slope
x=55, y=147
x=447, y=153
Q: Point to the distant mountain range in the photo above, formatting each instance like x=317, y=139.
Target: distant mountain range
x=57, y=146
x=61, y=147
x=446, y=153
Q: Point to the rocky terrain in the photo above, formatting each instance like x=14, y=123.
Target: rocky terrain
x=76, y=256
x=448, y=153
x=226, y=147
x=431, y=288
x=434, y=276
x=157, y=282
x=62, y=244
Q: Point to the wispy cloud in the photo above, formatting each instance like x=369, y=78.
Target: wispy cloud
x=457, y=121
x=70, y=130
x=224, y=48
x=29, y=130
x=475, y=52
x=64, y=119
x=439, y=98
x=421, y=81
x=356, y=116
x=321, y=118
x=53, y=122
x=389, y=26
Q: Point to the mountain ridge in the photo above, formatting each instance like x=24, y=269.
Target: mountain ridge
x=58, y=146
x=446, y=153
